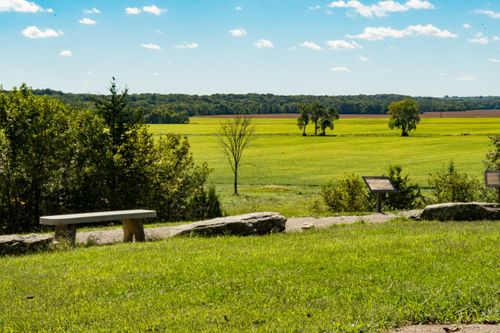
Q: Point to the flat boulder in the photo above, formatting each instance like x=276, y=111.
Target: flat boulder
x=17, y=244
x=462, y=211
x=241, y=225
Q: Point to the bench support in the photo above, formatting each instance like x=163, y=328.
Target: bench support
x=66, y=233
x=133, y=229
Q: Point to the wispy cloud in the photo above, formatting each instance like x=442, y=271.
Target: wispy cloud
x=467, y=26
x=186, y=45
x=66, y=53
x=87, y=21
x=379, y=33
x=238, y=32
x=494, y=60
x=238, y=8
x=342, y=45
x=382, y=8
x=151, y=9
x=489, y=13
x=316, y=7
x=311, y=46
x=132, y=11
x=465, y=77
x=341, y=69
x=263, y=44
x=363, y=58
x=479, y=38
x=91, y=11
x=34, y=32
x=151, y=46
x=21, y=6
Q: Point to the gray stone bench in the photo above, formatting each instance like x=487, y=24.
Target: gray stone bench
x=132, y=222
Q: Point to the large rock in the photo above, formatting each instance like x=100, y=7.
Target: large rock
x=16, y=244
x=243, y=225
x=460, y=211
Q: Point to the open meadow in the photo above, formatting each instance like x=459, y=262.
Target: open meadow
x=282, y=171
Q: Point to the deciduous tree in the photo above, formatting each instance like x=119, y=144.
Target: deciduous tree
x=404, y=114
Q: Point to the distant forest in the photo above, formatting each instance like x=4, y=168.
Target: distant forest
x=172, y=108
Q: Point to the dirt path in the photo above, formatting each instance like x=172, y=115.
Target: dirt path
x=104, y=237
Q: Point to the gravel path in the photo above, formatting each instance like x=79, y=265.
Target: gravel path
x=295, y=224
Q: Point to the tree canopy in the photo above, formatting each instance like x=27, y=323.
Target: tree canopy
x=404, y=114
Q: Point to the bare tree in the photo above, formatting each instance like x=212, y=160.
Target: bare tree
x=234, y=136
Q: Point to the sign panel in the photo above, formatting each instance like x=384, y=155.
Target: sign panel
x=379, y=184
x=492, y=178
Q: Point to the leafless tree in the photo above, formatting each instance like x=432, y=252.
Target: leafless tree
x=234, y=136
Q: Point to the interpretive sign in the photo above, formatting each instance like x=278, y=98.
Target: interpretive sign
x=379, y=185
x=492, y=179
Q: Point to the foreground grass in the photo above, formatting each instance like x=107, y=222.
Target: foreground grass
x=282, y=169
x=362, y=277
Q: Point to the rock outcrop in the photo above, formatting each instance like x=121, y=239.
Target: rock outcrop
x=16, y=244
x=460, y=211
x=241, y=225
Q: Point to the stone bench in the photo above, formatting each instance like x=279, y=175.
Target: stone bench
x=132, y=222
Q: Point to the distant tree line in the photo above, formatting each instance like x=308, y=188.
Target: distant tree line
x=154, y=107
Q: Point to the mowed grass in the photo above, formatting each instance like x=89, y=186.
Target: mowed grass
x=283, y=170
x=351, y=278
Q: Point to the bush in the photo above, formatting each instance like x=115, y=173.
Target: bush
x=408, y=196
x=348, y=194
x=492, y=161
x=450, y=185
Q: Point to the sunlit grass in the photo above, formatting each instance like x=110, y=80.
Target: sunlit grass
x=354, y=278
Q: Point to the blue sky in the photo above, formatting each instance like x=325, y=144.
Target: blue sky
x=415, y=47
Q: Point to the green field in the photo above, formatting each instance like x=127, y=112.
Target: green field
x=351, y=278
x=282, y=170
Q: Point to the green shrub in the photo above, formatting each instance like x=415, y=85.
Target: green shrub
x=348, y=194
x=492, y=161
x=408, y=195
x=450, y=185
x=205, y=205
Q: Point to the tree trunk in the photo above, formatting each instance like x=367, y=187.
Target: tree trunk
x=236, y=182
x=304, y=131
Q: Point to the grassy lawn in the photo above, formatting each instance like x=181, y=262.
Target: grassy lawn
x=283, y=169
x=351, y=278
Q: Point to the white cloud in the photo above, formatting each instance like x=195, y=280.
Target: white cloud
x=363, y=58
x=465, y=77
x=316, y=7
x=467, y=26
x=66, y=53
x=494, y=60
x=186, y=45
x=496, y=38
x=91, y=11
x=87, y=21
x=156, y=74
x=342, y=45
x=371, y=33
x=479, y=38
x=151, y=46
x=152, y=9
x=158, y=31
x=238, y=32
x=341, y=69
x=382, y=8
x=263, y=44
x=35, y=33
x=22, y=6
x=311, y=46
x=238, y=8
x=489, y=13
x=132, y=11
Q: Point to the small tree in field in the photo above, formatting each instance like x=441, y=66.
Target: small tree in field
x=404, y=114
x=317, y=114
x=304, y=118
x=492, y=161
x=234, y=136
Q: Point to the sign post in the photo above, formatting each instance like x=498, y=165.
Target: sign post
x=492, y=179
x=379, y=185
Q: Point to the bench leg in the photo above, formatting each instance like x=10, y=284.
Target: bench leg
x=66, y=233
x=133, y=229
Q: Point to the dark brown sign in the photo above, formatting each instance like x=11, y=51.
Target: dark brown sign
x=379, y=184
x=492, y=178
